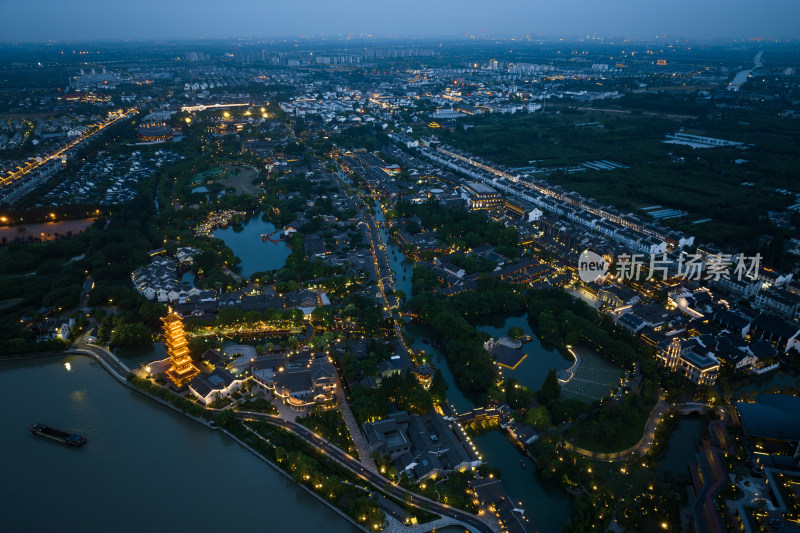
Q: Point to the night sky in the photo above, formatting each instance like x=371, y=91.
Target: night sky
x=30, y=20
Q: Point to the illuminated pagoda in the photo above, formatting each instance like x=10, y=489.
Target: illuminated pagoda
x=181, y=370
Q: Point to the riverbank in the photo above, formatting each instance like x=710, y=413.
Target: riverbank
x=205, y=422
x=291, y=429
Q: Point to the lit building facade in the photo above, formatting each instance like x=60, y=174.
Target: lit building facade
x=690, y=359
x=154, y=131
x=480, y=196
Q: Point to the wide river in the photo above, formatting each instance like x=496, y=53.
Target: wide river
x=145, y=467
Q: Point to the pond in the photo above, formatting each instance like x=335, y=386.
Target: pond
x=187, y=279
x=256, y=255
x=201, y=177
x=140, y=356
x=782, y=377
x=532, y=370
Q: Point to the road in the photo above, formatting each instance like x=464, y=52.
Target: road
x=471, y=521
x=106, y=358
x=88, y=285
x=359, y=440
x=120, y=371
x=627, y=112
x=57, y=154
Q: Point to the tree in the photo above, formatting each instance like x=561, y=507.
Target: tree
x=515, y=332
x=538, y=418
x=131, y=335
x=151, y=313
x=419, y=401
x=517, y=396
x=551, y=389
x=572, y=338
x=198, y=346
x=225, y=419
x=438, y=388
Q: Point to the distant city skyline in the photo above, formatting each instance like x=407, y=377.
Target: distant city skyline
x=80, y=20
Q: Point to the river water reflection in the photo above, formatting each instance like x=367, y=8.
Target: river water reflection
x=401, y=266
x=145, y=467
x=682, y=447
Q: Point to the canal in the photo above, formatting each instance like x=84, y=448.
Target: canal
x=682, y=447
x=548, y=507
x=400, y=265
x=144, y=467
x=256, y=255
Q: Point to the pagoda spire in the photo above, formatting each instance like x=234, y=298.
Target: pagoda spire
x=181, y=369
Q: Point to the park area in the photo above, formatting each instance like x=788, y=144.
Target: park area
x=591, y=378
x=236, y=177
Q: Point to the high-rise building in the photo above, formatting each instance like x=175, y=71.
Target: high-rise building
x=181, y=369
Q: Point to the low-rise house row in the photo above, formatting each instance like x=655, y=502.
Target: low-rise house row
x=159, y=281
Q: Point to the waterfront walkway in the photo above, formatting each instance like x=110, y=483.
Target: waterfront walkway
x=108, y=360
x=234, y=275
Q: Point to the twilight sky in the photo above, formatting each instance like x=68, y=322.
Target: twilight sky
x=185, y=19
